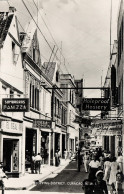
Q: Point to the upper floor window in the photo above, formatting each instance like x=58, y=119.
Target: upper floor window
x=11, y=94
x=34, y=53
x=34, y=97
x=15, y=52
x=57, y=76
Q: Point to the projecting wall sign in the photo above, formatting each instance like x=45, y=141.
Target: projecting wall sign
x=102, y=104
x=15, y=105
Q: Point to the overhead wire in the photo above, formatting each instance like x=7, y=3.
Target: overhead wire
x=37, y=25
x=50, y=32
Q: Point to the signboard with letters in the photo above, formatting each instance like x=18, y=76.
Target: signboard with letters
x=40, y=123
x=11, y=126
x=15, y=105
x=99, y=104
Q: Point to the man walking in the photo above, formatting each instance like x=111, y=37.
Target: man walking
x=38, y=160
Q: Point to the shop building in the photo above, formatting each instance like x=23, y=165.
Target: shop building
x=67, y=82
x=120, y=68
x=11, y=87
x=58, y=110
x=37, y=126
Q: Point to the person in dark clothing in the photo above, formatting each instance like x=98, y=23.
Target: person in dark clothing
x=94, y=166
x=88, y=186
x=56, y=158
x=100, y=186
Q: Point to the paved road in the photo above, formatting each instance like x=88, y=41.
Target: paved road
x=69, y=180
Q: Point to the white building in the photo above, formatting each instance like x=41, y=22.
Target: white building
x=11, y=86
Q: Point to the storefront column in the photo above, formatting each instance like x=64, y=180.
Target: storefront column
x=49, y=148
x=61, y=143
x=123, y=147
x=74, y=144
x=23, y=149
x=65, y=142
x=38, y=140
x=53, y=148
x=116, y=146
x=110, y=144
x=1, y=148
x=0, y=91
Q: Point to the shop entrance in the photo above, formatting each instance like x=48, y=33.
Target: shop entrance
x=11, y=155
x=45, y=147
x=31, y=142
x=57, y=141
x=63, y=144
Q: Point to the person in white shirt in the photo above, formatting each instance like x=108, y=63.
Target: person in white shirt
x=93, y=167
x=120, y=162
x=38, y=160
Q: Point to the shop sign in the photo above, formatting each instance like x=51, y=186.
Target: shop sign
x=108, y=124
x=98, y=104
x=10, y=126
x=15, y=105
x=40, y=123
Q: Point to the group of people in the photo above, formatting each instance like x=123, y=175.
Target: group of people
x=101, y=163
x=36, y=161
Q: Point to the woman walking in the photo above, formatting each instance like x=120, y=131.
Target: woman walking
x=107, y=167
x=113, y=172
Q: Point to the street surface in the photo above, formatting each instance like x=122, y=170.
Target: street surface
x=69, y=180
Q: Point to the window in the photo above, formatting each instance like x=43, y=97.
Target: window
x=11, y=94
x=34, y=53
x=34, y=97
x=57, y=76
x=15, y=53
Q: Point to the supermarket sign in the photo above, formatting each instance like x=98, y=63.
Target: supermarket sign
x=99, y=104
x=15, y=105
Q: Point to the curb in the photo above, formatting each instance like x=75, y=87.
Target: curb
x=39, y=180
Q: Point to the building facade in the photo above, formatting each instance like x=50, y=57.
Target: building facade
x=11, y=86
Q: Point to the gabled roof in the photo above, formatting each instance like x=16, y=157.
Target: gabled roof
x=5, y=21
x=49, y=68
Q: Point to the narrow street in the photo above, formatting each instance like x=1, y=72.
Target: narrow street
x=69, y=180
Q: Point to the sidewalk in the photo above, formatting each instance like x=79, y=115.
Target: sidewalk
x=29, y=180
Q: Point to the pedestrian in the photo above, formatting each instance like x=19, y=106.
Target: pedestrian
x=114, y=168
x=86, y=161
x=101, y=160
x=107, y=167
x=120, y=162
x=56, y=158
x=88, y=186
x=100, y=186
x=38, y=161
x=94, y=166
x=70, y=154
x=33, y=163
x=59, y=156
x=65, y=154
x=117, y=187
x=2, y=175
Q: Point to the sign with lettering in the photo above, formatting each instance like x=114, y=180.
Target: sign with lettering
x=40, y=123
x=99, y=104
x=11, y=126
x=15, y=105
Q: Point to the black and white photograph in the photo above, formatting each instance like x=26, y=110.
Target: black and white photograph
x=61, y=96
